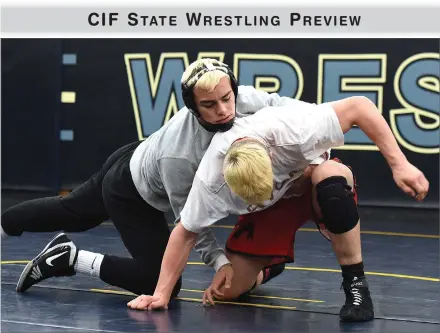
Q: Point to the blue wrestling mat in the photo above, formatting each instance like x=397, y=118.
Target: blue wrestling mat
x=401, y=256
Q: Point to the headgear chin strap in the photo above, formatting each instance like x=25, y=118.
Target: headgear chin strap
x=188, y=93
x=216, y=127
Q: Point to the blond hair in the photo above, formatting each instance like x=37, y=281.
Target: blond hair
x=247, y=169
x=210, y=79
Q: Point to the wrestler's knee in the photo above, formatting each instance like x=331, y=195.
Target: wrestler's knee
x=329, y=169
x=10, y=221
x=334, y=197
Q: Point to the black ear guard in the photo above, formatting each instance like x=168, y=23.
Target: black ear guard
x=188, y=85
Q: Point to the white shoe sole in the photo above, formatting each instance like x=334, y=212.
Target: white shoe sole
x=30, y=263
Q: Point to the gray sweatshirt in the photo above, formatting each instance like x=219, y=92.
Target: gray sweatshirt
x=164, y=165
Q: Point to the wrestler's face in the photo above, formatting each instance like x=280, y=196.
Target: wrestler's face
x=217, y=106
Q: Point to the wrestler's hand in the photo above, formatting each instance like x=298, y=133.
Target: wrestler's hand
x=146, y=302
x=223, y=278
x=411, y=180
x=308, y=171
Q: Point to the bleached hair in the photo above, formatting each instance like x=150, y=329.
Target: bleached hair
x=205, y=81
x=247, y=169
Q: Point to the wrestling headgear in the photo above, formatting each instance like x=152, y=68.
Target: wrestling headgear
x=188, y=93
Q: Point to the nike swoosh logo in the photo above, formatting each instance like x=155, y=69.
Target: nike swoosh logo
x=50, y=259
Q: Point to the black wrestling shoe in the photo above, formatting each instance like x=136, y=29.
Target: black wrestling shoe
x=56, y=259
x=272, y=271
x=358, y=303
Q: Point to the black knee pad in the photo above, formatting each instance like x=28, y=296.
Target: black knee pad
x=338, y=207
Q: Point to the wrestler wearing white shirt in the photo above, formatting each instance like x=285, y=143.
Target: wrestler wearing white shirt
x=296, y=136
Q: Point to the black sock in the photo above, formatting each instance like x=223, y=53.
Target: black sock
x=349, y=272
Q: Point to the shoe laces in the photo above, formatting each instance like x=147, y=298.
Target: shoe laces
x=357, y=297
x=353, y=292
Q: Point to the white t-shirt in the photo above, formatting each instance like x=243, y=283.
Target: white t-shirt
x=297, y=135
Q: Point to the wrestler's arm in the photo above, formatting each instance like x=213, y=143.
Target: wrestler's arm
x=177, y=252
x=362, y=112
x=323, y=127
x=201, y=210
x=176, y=255
x=177, y=177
